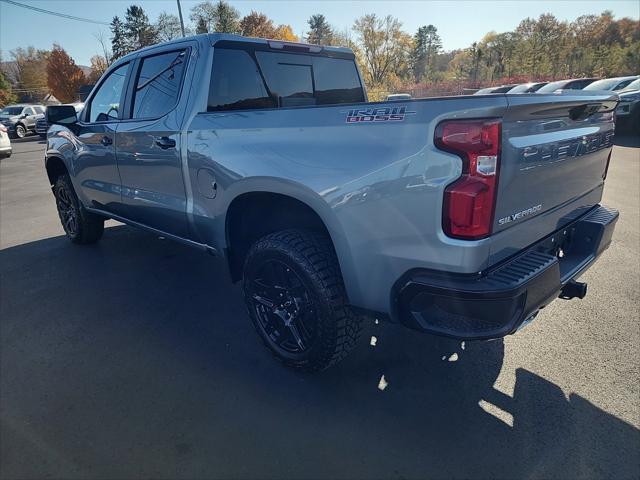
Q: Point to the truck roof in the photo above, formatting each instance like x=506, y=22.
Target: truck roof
x=213, y=38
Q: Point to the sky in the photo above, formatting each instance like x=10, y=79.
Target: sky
x=459, y=22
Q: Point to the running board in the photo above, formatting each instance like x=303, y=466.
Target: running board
x=185, y=241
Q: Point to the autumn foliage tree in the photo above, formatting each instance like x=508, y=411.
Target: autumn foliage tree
x=64, y=77
x=257, y=24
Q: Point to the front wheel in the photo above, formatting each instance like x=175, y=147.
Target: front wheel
x=21, y=131
x=297, y=301
x=79, y=225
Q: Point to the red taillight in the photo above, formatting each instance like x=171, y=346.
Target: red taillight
x=469, y=202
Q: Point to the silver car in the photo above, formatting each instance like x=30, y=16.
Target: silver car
x=5, y=142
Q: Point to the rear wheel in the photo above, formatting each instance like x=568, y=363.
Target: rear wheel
x=297, y=301
x=79, y=225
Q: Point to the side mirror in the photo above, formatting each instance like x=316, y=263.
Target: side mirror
x=61, y=115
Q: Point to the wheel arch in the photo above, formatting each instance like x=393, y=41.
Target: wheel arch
x=255, y=213
x=55, y=166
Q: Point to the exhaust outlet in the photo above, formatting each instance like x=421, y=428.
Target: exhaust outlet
x=573, y=289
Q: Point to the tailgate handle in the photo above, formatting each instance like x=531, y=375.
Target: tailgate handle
x=581, y=112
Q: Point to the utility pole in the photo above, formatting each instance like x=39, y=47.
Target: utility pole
x=180, y=14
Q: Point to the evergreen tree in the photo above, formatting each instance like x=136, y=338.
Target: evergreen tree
x=119, y=46
x=427, y=46
x=219, y=17
x=138, y=30
x=320, y=32
x=227, y=18
x=201, y=27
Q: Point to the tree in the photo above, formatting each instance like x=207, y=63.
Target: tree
x=139, y=33
x=6, y=91
x=257, y=25
x=285, y=32
x=320, y=32
x=119, y=47
x=29, y=73
x=201, y=27
x=384, y=46
x=99, y=65
x=168, y=27
x=64, y=77
x=426, y=47
x=219, y=17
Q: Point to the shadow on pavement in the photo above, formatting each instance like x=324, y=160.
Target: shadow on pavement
x=134, y=358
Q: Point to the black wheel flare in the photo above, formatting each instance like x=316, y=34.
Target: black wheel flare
x=67, y=210
x=283, y=307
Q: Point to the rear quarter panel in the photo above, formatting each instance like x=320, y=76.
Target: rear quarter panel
x=378, y=186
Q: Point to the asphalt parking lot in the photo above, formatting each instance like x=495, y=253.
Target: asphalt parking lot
x=134, y=358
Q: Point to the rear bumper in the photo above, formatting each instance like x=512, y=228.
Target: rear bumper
x=496, y=303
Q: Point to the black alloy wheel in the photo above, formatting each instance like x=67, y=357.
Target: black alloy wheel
x=297, y=300
x=283, y=307
x=67, y=210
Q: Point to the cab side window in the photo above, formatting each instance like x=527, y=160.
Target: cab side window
x=106, y=104
x=236, y=83
x=158, y=85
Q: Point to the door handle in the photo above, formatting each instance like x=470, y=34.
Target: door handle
x=106, y=141
x=165, y=142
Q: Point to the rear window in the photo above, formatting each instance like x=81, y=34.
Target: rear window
x=158, y=84
x=262, y=79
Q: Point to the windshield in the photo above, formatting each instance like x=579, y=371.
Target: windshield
x=553, y=86
x=635, y=85
x=605, y=84
x=521, y=88
x=11, y=111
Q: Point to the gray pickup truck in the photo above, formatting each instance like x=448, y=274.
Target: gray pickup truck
x=458, y=216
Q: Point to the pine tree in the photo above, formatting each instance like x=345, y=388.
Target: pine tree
x=427, y=45
x=119, y=46
x=227, y=18
x=320, y=32
x=138, y=30
x=219, y=17
x=201, y=27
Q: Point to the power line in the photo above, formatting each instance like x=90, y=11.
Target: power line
x=57, y=14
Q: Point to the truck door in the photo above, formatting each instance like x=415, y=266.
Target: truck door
x=96, y=171
x=148, y=149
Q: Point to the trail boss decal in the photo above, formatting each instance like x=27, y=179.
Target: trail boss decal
x=379, y=114
x=514, y=217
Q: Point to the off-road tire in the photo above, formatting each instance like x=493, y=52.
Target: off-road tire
x=88, y=227
x=313, y=259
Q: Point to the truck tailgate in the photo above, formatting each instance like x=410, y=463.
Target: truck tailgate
x=555, y=154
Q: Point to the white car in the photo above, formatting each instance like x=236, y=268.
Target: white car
x=5, y=142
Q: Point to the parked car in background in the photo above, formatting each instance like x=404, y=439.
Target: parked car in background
x=5, y=142
x=527, y=87
x=572, y=84
x=498, y=89
x=628, y=110
x=42, y=126
x=20, y=119
x=457, y=216
x=611, y=84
